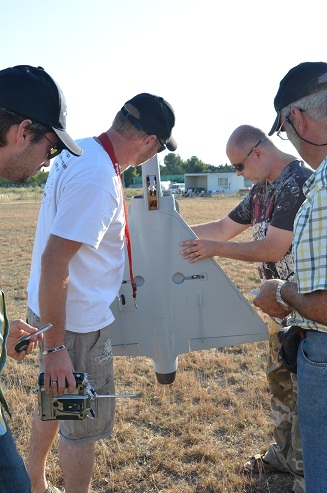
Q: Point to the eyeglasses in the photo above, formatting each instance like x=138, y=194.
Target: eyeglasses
x=282, y=130
x=240, y=166
x=289, y=121
x=162, y=146
x=55, y=149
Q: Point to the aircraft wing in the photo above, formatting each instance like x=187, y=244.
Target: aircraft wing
x=181, y=307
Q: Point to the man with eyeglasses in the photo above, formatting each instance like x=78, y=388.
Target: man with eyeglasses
x=301, y=106
x=269, y=208
x=76, y=273
x=32, y=112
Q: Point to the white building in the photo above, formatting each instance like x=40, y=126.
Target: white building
x=216, y=182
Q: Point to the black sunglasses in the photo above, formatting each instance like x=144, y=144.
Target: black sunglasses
x=161, y=144
x=55, y=149
x=240, y=166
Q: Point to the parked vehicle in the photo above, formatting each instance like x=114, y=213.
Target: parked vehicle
x=177, y=188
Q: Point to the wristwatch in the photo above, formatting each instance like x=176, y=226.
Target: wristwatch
x=279, y=298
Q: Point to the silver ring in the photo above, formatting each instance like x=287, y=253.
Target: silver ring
x=54, y=381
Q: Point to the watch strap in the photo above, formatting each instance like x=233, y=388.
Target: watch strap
x=279, y=298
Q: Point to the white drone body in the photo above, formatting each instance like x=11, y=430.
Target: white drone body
x=181, y=307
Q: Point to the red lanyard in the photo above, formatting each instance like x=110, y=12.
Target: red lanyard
x=105, y=141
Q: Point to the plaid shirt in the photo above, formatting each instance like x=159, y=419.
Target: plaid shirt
x=310, y=242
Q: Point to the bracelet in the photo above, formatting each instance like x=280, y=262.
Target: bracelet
x=279, y=298
x=55, y=349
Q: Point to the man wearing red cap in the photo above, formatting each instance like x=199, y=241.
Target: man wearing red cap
x=301, y=105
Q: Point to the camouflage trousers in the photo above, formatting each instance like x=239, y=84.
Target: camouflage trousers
x=286, y=453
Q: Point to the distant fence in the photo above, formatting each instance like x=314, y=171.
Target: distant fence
x=10, y=198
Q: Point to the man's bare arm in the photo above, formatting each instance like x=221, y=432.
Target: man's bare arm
x=312, y=306
x=52, y=298
x=271, y=249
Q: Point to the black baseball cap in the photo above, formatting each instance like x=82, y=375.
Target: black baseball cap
x=302, y=80
x=31, y=92
x=156, y=117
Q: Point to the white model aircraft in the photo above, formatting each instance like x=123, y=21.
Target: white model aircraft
x=181, y=307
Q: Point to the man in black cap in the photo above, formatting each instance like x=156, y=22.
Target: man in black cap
x=301, y=105
x=32, y=131
x=32, y=122
x=76, y=273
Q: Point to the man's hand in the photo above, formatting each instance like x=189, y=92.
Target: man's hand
x=199, y=249
x=18, y=329
x=266, y=300
x=58, y=371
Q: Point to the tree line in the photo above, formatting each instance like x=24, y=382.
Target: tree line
x=36, y=181
x=173, y=165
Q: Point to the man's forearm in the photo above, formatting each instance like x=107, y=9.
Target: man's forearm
x=312, y=306
x=211, y=231
x=252, y=251
x=52, y=300
x=222, y=230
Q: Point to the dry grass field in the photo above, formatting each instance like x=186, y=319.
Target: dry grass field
x=192, y=436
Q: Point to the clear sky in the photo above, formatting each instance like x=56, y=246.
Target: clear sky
x=218, y=62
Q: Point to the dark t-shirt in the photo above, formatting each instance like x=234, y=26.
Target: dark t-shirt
x=277, y=204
